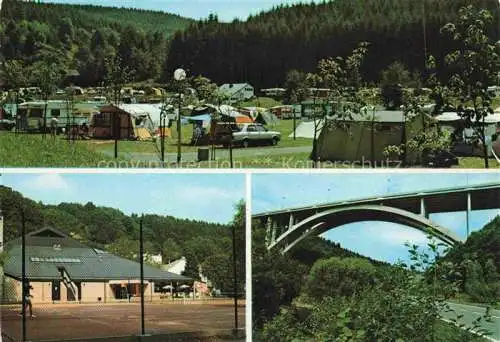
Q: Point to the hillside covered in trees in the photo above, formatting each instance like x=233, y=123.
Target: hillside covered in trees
x=479, y=260
x=318, y=291
x=80, y=38
x=264, y=48
x=260, y=50
x=278, y=279
x=202, y=243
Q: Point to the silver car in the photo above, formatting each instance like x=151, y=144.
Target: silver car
x=254, y=134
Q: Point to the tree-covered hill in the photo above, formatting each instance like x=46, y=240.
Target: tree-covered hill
x=81, y=38
x=484, y=244
x=90, y=17
x=478, y=261
x=110, y=229
x=264, y=48
x=278, y=279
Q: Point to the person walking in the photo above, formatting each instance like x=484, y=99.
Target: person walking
x=54, y=122
x=27, y=299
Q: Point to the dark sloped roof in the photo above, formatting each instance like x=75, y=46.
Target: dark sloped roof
x=47, y=250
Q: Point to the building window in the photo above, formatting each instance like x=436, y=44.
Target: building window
x=36, y=113
x=55, y=113
x=384, y=127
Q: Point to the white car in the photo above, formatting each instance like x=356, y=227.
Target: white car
x=253, y=134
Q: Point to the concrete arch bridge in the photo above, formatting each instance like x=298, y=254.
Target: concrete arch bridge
x=287, y=227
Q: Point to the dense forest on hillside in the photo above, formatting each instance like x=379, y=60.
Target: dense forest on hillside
x=260, y=50
x=485, y=243
x=79, y=39
x=202, y=243
x=318, y=291
x=278, y=279
x=264, y=48
x=479, y=260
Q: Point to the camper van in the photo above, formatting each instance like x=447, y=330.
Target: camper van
x=30, y=115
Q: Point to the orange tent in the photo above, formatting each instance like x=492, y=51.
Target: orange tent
x=243, y=119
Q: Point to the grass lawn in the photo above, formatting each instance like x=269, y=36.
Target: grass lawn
x=31, y=150
x=264, y=102
x=285, y=127
x=27, y=150
x=446, y=332
x=496, y=102
x=146, y=146
x=476, y=163
x=465, y=299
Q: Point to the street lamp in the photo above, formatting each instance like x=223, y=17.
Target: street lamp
x=179, y=75
x=163, y=119
x=235, y=283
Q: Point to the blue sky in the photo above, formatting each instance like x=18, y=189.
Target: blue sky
x=207, y=197
x=226, y=10
x=379, y=240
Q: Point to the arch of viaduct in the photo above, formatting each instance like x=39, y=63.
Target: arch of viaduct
x=286, y=228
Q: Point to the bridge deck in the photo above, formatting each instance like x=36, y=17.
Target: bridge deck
x=483, y=196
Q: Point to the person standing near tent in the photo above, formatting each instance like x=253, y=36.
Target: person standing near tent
x=197, y=132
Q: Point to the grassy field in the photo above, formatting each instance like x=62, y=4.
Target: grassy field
x=465, y=299
x=26, y=150
x=445, y=332
x=146, y=146
x=476, y=163
x=264, y=102
x=285, y=127
x=496, y=102
x=31, y=150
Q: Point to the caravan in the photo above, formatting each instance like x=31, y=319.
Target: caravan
x=34, y=115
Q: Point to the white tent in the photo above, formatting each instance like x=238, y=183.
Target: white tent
x=452, y=116
x=492, y=118
x=152, y=111
x=306, y=130
x=448, y=116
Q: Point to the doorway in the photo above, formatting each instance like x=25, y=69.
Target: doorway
x=56, y=290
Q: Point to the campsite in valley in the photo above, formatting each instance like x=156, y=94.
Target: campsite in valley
x=92, y=86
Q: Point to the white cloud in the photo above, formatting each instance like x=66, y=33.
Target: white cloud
x=395, y=234
x=48, y=181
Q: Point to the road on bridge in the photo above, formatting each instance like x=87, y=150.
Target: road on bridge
x=471, y=313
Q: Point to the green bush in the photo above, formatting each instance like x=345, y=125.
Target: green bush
x=339, y=277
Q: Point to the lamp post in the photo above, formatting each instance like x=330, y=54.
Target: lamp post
x=235, y=283
x=163, y=116
x=25, y=287
x=141, y=253
x=179, y=76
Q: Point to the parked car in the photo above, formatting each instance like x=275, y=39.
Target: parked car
x=438, y=158
x=252, y=134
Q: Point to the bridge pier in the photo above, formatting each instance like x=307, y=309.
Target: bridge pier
x=469, y=208
x=268, y=230
x=423, y=208
x=274, y=227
